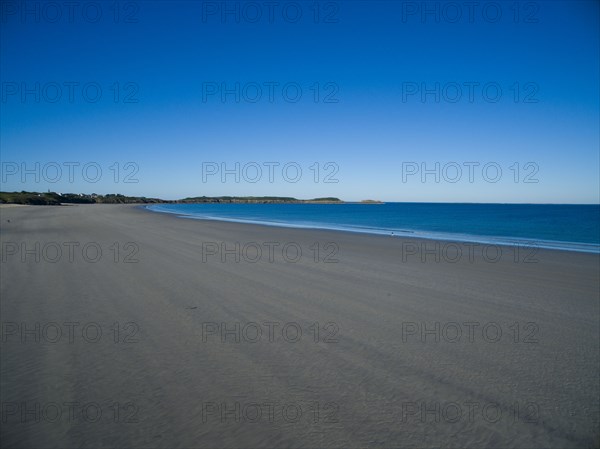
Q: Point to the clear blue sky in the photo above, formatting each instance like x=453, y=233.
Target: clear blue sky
x=373, y=58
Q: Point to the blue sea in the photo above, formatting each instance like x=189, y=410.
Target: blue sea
x=554, y=226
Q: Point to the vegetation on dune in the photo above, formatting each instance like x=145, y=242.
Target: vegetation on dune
x=56, y=199
x=29, y=198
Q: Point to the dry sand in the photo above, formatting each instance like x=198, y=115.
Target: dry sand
x=373, y=379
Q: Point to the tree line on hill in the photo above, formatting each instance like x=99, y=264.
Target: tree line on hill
x=56, y=199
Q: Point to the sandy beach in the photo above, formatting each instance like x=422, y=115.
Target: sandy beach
x=123, y=327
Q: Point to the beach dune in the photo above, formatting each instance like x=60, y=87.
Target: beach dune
x=123, y=327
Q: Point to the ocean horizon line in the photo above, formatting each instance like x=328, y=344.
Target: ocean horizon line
x=4, y=195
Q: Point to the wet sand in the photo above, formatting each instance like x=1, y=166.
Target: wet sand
x=128, y=328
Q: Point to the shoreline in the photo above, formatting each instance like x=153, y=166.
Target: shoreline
x=382, y=311
x=463, y=239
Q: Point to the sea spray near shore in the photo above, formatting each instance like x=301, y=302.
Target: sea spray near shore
x=552, y=226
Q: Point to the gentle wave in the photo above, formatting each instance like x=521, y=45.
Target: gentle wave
x=420, y=234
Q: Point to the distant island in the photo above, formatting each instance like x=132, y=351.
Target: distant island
x=56, y=199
